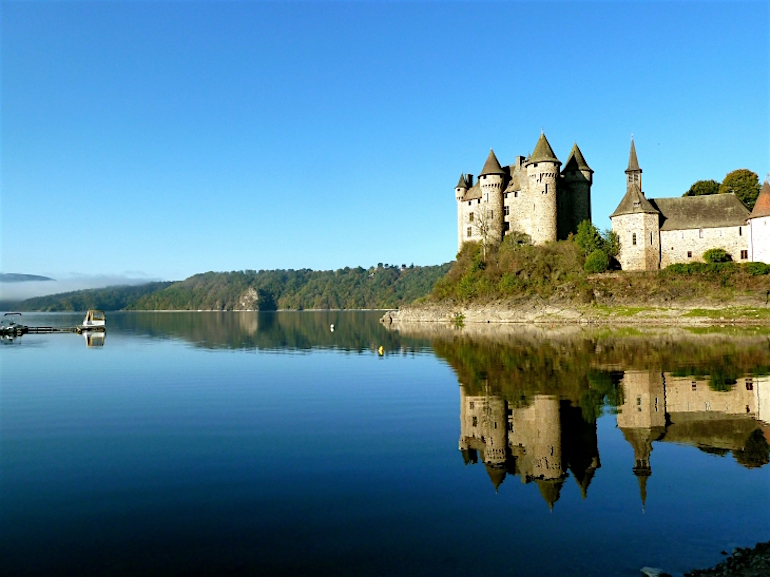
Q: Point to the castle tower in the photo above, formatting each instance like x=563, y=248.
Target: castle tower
x=642, y=419
x=460, y=190
x=491, y=181
x=759, y=220
x=542, y=174
x=637, y=223
x=575, y=196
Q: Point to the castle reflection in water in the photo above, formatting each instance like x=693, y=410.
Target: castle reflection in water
x=541, y=438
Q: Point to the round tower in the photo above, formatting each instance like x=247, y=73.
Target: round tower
x=460, y=190
x=491, y=181
x=578, y=178
x=542, y=174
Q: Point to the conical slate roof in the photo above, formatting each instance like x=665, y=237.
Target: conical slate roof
x=543, y=152
x=491, y=166
x=576, y=161
x=461, y=183
x=762, y=206
x=633, y=163
x=634, y=202
x=496, y=475
x=550, y=490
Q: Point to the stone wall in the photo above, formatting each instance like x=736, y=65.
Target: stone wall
x=693, y=395
x=689, y=245
x=644, y=400
x=645, y=253
x=759, y=233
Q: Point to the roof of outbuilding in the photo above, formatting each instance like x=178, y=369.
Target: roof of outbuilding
x=707, y=211
x=576, y=160
x=762, y=206
x=633, y=163
x=491, y=166
x=635, y=202
x=543, y=152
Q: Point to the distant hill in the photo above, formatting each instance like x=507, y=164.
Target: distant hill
x=348, y=288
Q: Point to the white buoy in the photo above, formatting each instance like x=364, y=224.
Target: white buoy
x=332, y=327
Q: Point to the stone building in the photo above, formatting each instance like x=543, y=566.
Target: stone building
x=657, y=232
x=532, y=196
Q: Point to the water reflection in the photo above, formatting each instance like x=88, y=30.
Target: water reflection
x=530, y=398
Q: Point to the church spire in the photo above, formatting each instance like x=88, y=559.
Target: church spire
x=633, y=163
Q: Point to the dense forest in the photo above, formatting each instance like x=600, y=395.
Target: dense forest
x=348, y=288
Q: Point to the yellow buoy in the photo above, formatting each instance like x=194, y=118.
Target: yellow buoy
x=381, y=350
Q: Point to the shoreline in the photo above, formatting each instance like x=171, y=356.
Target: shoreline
x=553, y=314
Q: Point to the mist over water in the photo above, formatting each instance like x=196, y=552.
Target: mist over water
x=268, y=444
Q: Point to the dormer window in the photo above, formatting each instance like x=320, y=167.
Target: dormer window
x=637, y=204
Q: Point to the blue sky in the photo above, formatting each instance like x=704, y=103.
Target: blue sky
x=161, y=139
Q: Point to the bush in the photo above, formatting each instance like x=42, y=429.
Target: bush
x=716, y=255
x=588, y=237
x=757, y=268
x=597, y=261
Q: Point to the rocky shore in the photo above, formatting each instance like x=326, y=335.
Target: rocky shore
x=543, y=313
x=747, y=562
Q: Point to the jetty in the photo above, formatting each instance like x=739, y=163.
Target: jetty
x=11, y=327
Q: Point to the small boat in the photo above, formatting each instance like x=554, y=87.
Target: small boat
x=11, y=326
x=94, y=321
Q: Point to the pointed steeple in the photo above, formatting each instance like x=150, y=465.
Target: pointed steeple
x=491, y=166
x=461, y=183
x=543, y=152
x=633, y=163
x=576, y=162
x=642, y=488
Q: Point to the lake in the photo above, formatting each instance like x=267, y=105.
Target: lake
x=267, y=444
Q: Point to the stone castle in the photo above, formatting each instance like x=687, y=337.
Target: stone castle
x=532, y=196
x=535, y=198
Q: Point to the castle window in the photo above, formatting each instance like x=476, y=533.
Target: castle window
x=749, y=384
x=506, y=226
x=633, y=239
x=740, y=231
x=507, y=210
x=478, y=201
x=469, y=202
x=516, y=194
x=472, y=404
x=689, y=254
x=636, y=177
x=506, y=195
x=475, y=421
x=744, y=254
x=546, y=188
x=700, y=233
x=470, y=217
x=650, y=239
x=469, y=232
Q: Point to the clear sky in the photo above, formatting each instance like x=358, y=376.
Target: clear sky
x=161, y=139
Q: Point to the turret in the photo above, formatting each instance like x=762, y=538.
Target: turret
x=576, y=194
x=637, y=223
x=460, y=190
x=542, y=172
x=491, y=181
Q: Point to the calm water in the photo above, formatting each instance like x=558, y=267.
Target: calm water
x=265, y=444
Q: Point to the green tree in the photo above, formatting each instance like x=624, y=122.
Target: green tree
x=703, y=187
x=715, y=255
x=597, y=261
x=588, y=238
x=744, y=183
x=611, y=242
